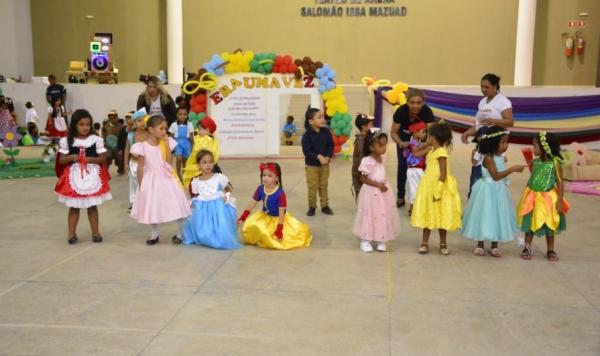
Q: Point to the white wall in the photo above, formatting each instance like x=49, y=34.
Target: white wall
x=16, y=45
x=98, y=99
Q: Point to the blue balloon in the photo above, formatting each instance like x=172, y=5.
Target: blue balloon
x=220, y=71
x=319, y=73
x=324, y=81
x=322, y=89
x=332, y=74
x=330, y=85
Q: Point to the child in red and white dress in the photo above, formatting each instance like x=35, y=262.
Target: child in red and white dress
x=83, y=176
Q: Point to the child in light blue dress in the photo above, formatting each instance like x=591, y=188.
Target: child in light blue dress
x=490, y=214
x=213, y=220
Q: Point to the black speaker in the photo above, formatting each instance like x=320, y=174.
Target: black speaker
x=100, y=62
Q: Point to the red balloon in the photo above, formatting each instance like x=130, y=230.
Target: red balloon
x=337, y=149
x=201, y=98
x=197, y=109
x=292, y=68
x=287, y=59
x=278, y=60
x=342, y=140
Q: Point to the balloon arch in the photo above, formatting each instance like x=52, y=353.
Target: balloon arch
x=267, y=63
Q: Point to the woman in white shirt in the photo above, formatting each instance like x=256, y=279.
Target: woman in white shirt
x=494, y=110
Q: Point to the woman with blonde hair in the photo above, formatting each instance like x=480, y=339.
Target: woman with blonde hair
x=157, y=101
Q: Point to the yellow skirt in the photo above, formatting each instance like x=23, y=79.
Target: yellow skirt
x=259, y=230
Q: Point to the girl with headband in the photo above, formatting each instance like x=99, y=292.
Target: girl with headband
x=272, y=226
x=542, y=208
x=490, y=214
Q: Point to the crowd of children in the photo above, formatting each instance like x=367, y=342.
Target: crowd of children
x=157, y=192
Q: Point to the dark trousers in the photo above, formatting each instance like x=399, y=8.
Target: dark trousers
x=475, y=175
x=402, y=168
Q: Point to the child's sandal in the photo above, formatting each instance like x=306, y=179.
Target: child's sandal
x=552, y=256
x=423, y=249
x=176, y=240
x=73, y=239
x=444, y=249
x=479, y=252
x=526, y=254
x=495, y=252
x=97, y=238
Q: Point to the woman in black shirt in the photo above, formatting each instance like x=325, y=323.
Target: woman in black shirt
x=414, y=110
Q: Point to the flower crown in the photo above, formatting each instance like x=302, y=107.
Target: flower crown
x=495, y=134
x=546, y=146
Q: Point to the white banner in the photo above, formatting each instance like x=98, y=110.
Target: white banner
x=246, y=108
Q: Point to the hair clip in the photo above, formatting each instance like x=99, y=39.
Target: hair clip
x=374, y=130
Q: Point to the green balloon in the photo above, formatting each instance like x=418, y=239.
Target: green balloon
x=337, y=132
x=347, y=131
x=268, y=67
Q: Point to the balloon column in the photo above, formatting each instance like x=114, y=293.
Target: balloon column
x=267, y=63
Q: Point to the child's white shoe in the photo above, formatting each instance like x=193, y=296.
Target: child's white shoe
x=381, y=247
x=365, y=246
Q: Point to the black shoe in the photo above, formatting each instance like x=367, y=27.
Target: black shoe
x=152, y=241
x=73, y=239
x=97, y=238
x=129, y=209
x=176, y=240
x=327, y=210
x=400, y=202
x=311, y=212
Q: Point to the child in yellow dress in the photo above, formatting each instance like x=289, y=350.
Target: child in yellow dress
x=272, y=227
x=203, y=140
x=437, y=204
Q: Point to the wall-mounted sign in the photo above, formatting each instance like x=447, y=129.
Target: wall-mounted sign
x=246, y=107
x=353, y=8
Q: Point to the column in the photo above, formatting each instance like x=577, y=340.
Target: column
x=174, y=41
x=525, y=39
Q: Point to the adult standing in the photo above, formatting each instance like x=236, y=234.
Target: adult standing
x=494, y=110
x=156, y=100
x=414, y=110
x=55, y=91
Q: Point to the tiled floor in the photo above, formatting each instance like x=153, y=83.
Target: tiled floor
x=122, y=297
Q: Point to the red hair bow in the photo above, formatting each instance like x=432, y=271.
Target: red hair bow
x=269, y=166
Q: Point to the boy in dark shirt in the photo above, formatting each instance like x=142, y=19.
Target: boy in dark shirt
x=317, y=146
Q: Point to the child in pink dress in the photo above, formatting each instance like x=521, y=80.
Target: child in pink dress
x=376, y=219
x=160, y=197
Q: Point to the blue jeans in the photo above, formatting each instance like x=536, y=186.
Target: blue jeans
x=475, y=175
x=401, y=177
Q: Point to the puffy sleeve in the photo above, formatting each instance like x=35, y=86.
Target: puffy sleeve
x=190, y=128
x=50, y=110
x=100, y=149
x=173, y=129
x=137, y=149
x=193, y=188
x=282, y=200
x=258, y=194
x=440, y=152
x=367, y=164
x=172, y=143
x=222, y=180
x=63, y=146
